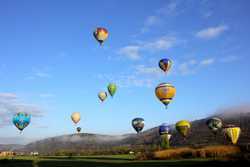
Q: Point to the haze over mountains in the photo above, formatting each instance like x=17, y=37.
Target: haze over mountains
x=199, y=135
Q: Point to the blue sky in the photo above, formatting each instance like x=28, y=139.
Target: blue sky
x=52, y=66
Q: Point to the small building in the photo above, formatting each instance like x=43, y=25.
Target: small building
x=34, y=153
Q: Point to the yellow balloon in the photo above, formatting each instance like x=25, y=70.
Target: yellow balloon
x=102, y=95
x=233, y=133
x=183, y=127
x=76, y=117
x=165, y=92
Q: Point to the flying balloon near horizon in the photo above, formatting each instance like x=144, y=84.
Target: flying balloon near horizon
x=214, y=124
x=76, y=117
x=21, y=120
x=183, y=127
x=232, y=133
x=101, y=34
x=138, y=124
x=78, y=129
x=165, y=64
x=164, y=131
x=165, y=92
x=102, y=95
x=112, y=89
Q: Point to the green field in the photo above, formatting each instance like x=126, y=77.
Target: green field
x=106, y=161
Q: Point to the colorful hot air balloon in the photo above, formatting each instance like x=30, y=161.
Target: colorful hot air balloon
x=165, y=93
x=101, y=34
x=164, y=132
x=138, y=124
x=112, y=89
x=102, y=95
x=165, y=64
x=183, y=127
x=21, y=120
x=214, y=124
x=76, y=117
x=233, y=133
x=78, y=129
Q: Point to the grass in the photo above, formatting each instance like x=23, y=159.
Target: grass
x=205, y=152
x=167, y=158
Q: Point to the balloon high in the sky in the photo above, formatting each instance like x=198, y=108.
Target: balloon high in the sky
x=76, y=117
x=78, y=129
x=214, y=124
x=183, y=127
x=138, y=124
x=165, y=93
x=164, y=132
x=21, y=120
x=112, y=89
x=102, y=95
x=101, y=34
x=233, y=133
x=165, y=64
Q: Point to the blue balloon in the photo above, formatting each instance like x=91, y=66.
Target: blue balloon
x=21, y=120
x=164, y=129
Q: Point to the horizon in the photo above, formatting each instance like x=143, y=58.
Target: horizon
x=51, y=65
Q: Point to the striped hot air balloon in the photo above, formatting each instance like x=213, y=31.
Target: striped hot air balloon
x=165, y=92
x=165, y=64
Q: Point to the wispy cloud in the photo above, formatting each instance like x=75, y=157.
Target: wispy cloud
x=192, y=66
x=211, y=32
x=47, y=95
x=133, y=52
x=11, y=104
x=208, y=61
x=229, y=59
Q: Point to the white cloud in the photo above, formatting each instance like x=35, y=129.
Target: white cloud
x=132, y=52
x=207, y=61
x=143, y=70
x=11, y=104
x=211, y=32
x=42, y=75
x=46, y=95
x=152, y=20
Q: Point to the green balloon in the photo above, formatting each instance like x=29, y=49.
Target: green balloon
x=112, y=89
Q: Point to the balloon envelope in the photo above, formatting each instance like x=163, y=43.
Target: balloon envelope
x=76, y=117
x=214, y=124
x=138, y=124
x=21, y=120
x=164, y=129
x=101, y=34
x=183, y=127
x=102, y=95
x=78, y=129
x=165, y=92
x=112, y=89
x=233, y=133
x=165, y=64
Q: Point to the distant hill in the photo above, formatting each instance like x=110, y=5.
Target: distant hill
x=200, y=135
x=10, y=147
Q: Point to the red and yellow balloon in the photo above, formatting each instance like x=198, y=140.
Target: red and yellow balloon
x=165, y=92
x=101, y=34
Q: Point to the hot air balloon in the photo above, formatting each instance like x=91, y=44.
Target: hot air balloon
x=78, y=129
x=102, y=95
x=21, y=120
x=101, y=34
x=164, y=131
x=112, y=89
x=214, y=124
x=138, y=124
x=165, y=93
x=76, y=117
x=233, y=133
x=165, y=64
x=183, y=127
